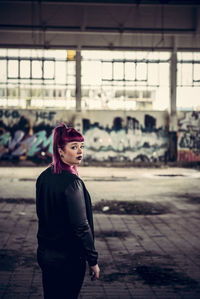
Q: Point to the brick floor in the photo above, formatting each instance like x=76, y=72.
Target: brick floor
x=141, y=256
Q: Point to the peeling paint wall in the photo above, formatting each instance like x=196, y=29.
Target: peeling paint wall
x=109, y=135
x=189, y=136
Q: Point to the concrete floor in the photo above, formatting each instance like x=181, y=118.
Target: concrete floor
x=147, y=184
x=146, y=255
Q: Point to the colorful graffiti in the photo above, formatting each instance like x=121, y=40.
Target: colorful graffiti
x=125, y=140
x=189, y=137
x=129, y=143
x=24, y=141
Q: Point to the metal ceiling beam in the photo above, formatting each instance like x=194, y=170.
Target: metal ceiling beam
x=111, y=3
x=93, y=30
x=148, y=26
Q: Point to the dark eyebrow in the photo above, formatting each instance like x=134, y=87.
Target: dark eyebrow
x=76, y=143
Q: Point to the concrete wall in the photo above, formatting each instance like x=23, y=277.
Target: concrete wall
x=134, y=136
x=189, y=136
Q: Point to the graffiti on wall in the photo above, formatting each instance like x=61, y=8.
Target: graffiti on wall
x=21, y=144
x=189, y=137
x=126, y=142
x=22, y=140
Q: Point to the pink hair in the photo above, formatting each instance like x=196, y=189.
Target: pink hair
x=62, y=134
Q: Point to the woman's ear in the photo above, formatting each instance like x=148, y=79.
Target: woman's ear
x=60, y=151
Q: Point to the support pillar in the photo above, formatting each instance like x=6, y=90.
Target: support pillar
x=173, y=127
x=78, y=80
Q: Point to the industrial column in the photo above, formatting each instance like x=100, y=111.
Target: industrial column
x=78, y=80
x=173, y=115
x=78, y=118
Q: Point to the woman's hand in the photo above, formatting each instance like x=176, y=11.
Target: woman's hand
x=94, y=272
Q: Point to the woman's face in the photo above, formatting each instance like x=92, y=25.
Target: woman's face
x=72, y=153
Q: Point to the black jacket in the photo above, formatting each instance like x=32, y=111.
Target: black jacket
x=64, y=212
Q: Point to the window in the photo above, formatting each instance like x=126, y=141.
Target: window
x=13, y=70
x=129, y=71
x=124, y=76
x=36, y=75
x=196, y=72
x=141, y=71
x=188, y=69
x=107, y=70
x=188, y=81
x=25, y=69
x=118, y=70
x=49, y=72
x=3, y=69
x=36, y=69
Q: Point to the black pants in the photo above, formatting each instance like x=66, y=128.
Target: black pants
x=62, y=275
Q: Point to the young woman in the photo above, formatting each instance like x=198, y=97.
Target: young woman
x=65, y=223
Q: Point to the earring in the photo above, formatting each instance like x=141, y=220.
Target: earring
x=61, y=156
